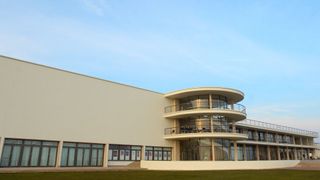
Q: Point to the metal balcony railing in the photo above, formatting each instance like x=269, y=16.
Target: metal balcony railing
x=196, y=129
x=275, y=127
x=189, y=106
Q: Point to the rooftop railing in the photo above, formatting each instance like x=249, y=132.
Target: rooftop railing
x=189, y=106
x=275, y=127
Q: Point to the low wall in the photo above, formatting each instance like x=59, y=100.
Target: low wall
x=217, y=165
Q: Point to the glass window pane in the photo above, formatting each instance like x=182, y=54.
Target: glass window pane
x=79, y=157
x=52, y=156
x=64, y=157
x=127, y=155
x=138, y=154
x=5, y=158
x=26, y=156
x=44, y=156
x=86, y=157
x=94, y=156
x=100, y=157
x=121, y=155
x=71, y=157
x=15, y=155
x=35, y=156
x=133, y=155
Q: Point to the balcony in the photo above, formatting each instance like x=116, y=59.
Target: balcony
x=235, y=112
x=202, y=132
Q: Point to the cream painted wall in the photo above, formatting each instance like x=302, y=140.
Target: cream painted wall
x=216, y=165
x=38, y=102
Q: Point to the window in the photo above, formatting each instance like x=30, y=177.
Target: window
x=81, y=154
x=158, y=153
x=251, y=152
x=26, y=153
x=223, y=150
x=124, y=152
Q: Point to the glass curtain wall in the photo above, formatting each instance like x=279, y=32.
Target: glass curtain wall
x=28, y=153
x=202, y=101
x=158, y=153
x=283, y=153
x=124, y=152
x=251, y=152
x=223, y=150
x=263, y=153
x=195, y=124
x=81, y=154
x=273, y=153
x=196, y=149
x=241, y=153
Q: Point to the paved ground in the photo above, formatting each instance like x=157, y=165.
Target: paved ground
x=307, y=165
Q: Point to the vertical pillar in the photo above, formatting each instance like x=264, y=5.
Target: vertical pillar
x=278, y=153
x=295, y=154
x=269, y=152
x=301, y=143
x=256, y=135
x=257, y=152
x=293, y=140
x=307, y=140
x=176, y=152
x=210, y=101
x=59, y=153
x=143, y=153
x=105, y=155
x=288, y=156
x=233, y=127
x=235, y=146
x=1, y=146
x=245, y=152
x=212, y=149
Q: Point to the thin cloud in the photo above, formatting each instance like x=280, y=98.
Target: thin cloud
x=97, y=7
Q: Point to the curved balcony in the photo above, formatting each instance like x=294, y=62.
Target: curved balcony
x=235, y=112
x=232, y=94
x=175, y=133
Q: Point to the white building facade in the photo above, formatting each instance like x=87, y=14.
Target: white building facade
x=55, y=118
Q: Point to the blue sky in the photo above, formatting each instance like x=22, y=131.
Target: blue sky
x=268, y=49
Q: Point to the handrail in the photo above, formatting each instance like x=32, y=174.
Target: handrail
x=196, y=129
x=280, y=128
x=190, y=106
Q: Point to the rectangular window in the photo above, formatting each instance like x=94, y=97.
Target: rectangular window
x=124, y=152
x=82, y=154
x=26, y=153
x=158, y=153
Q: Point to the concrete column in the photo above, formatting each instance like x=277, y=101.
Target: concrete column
x=301, y=143
x=143, y=153
x=293, y=140
x=210, y=101
x=233, y=127
x=257, y=152
x=276, y=136
x=59, y=153
x=1, y=146
x=105, y=155
x=307, y=141
x=288, y=158
x=212, y=150
x=269, y=152
x=278, y=153
x=235, y=145
x=295, y=154
x=177, y=151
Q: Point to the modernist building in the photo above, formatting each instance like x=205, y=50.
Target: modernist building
x=55, y=118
